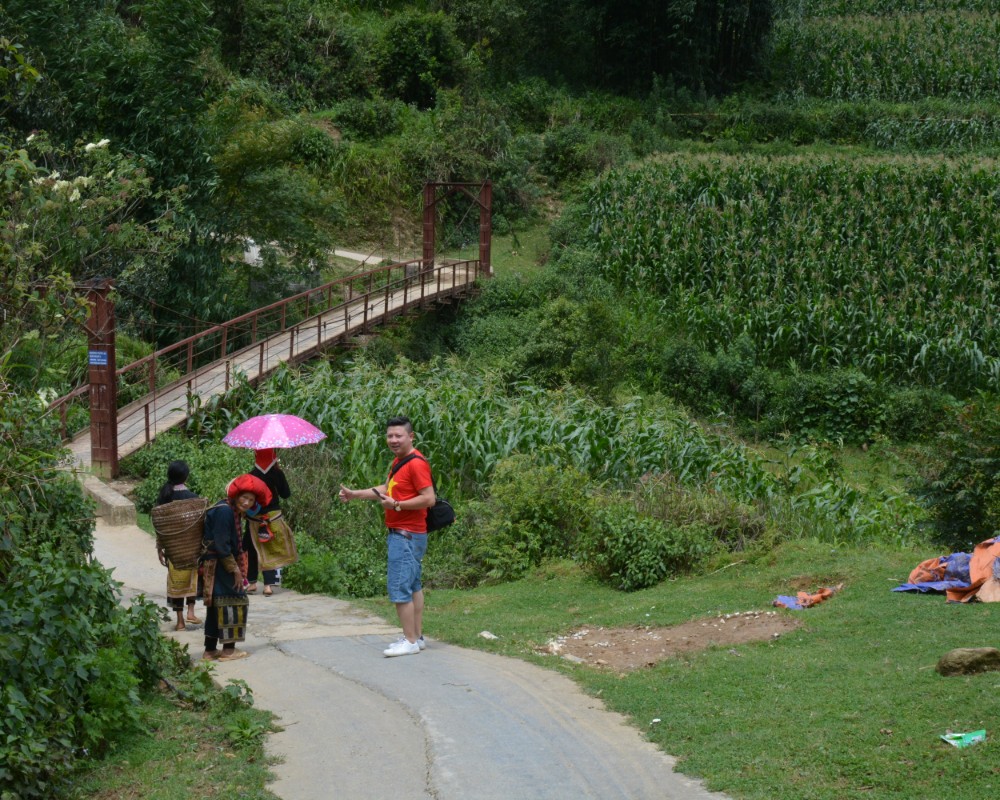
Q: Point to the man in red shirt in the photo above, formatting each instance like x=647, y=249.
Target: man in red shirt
x=406, y=495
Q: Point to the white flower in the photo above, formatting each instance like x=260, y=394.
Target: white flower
x=104, y=143
x=74, y=195
x=90, y=146
x=61, y=186
x=95, y=145
x=32, y=136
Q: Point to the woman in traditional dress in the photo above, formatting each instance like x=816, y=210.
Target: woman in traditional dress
x=182, y=584
x=223, y=565
x=267, y=537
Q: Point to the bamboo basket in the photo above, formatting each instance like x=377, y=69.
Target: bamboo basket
x=179, y=530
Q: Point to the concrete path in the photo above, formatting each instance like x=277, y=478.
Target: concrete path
x=447, y=724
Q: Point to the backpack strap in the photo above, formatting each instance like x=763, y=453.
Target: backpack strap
x=402, y=463
x=406, y=460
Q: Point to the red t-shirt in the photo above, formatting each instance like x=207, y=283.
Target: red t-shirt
x=406, y=484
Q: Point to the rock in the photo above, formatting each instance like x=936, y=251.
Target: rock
x=969, y=661
x=487, y=635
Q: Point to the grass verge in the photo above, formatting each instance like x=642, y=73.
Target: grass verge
x=200, y=742
x=847, y=706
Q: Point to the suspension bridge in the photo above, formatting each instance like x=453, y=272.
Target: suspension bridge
x=131, y=405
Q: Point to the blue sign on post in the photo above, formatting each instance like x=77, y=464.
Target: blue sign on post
x=97, y=358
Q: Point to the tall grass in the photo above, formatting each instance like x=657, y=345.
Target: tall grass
x=466, y=423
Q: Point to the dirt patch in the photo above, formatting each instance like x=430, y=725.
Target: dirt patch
x=627, y=649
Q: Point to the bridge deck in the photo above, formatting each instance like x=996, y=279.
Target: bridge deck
x=140, y=421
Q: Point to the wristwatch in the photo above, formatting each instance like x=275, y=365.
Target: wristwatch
x=395, y=505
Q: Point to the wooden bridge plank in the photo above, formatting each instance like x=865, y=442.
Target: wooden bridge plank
x=167, y=407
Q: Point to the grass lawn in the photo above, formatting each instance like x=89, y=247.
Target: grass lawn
x=847, y=706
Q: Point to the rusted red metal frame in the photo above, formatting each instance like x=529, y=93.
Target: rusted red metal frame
x=426, y=293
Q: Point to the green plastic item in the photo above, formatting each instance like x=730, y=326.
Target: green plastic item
x=964, y=739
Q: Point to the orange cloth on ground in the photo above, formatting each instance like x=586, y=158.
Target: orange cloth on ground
x=806, y=600
x=980, y=569
x=929, y=571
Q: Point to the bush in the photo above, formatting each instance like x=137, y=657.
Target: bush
x=733, y=525
x=36, y=498
x=419, y=54
x=535, y=512
x=213, y=466
x=964, y=495
x=841, y=405
x=630, y=551
x=368, y=118
x=72, y=662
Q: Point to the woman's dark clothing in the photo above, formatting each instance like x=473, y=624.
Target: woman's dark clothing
x=278, y=484
x=226, y=618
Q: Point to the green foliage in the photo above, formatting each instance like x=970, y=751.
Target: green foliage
x=418, y=55
x=963, y=492
x=312, y=53
x=246, y=733
x=364, y=118
x=734, y=526
x=213, y=466
x=72, y=661
x=836, y=405
x=534, y=512
x=897, y=57
x=630, y=551
x=36, y=497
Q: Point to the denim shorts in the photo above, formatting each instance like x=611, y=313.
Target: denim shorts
x=406, y=552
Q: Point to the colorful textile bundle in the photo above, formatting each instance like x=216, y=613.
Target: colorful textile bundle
x=962, y=576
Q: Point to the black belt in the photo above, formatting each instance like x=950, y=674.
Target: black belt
x=404, y=534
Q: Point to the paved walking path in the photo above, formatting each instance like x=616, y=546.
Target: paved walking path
x=447, y=724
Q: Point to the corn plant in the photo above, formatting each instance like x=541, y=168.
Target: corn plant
x=466, y=423
x=885, y=265
x=896, y=57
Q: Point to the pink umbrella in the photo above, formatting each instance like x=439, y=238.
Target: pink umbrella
x=273, y=430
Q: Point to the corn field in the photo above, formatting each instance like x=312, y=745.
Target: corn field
x=875, y=8
x=887, y=265
x=898, y=58
x=465, y=424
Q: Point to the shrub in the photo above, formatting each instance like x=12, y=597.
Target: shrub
x=843, y=405
x=733, y=525
x=72, y=661
x=419, y=53
x=368, y=118
x=212, y=467
x=964, y=494
x=630, y=551
x=534, y=512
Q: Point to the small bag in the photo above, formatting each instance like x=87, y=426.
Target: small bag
x=440, y=515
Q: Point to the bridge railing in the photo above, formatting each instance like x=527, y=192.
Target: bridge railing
x=362, y=298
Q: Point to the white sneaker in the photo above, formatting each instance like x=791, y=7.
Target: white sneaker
x=401, y=648
x=420, y=642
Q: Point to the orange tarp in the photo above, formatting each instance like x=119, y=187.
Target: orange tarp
x=980, y=570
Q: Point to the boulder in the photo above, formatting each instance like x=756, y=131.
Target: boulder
x=969, y=661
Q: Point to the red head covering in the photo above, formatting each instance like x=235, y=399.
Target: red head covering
x=248, y=483
x=264, y=459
